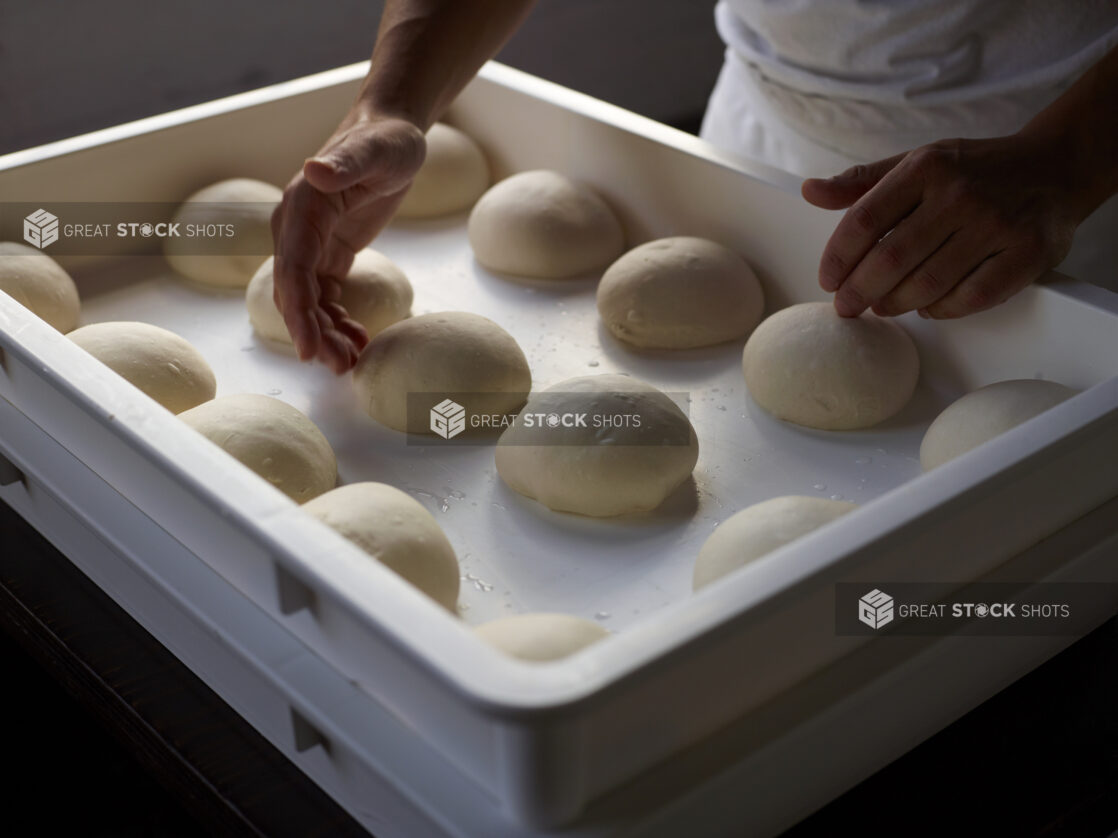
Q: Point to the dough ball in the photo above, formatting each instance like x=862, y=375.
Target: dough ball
x=984, y=414
x=544, y=225
x=807, y=365
x=375, y=293
x=39, y=284
x=450, y=354
x=760, y=529
x=453, y=176
x=541, y=637
x=157, y=361
x=272, y=438
x=604, y=465
x=680, y=292
x=247, y=204
x=397, y=531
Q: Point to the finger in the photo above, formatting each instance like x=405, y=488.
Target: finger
x=307, y=220
x=891, y=259
x=870, y=217
x=330, y=289
x=349, y=328
x=335, y=350
x=844, y=189
x=338, y=259
x=297, y=308
x=962, y=252
x=990, y=284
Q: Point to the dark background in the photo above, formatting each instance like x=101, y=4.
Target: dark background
x=71, y=67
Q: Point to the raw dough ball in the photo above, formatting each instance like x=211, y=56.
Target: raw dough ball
x=678, y=293
x=157, y=361
x=760, y=529
x=807, y=365
x=984, y=414
x=450, y=354
x=541, y=637
x=543, y=224
x=247, y=204
x=594, y=468
x=272, y=438
x=375, y=293
x=454, y=175
x=397, y=531
x=39, y=284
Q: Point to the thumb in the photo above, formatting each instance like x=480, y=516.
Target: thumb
x=840, y=191
x=383, y=159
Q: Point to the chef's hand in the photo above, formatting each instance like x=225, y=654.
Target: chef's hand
x=947, y=229
x=959, y=226
x=426, y=52
x=330, y=211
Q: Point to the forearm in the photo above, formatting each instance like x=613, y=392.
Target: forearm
x=428, y=50
x=1081, y=129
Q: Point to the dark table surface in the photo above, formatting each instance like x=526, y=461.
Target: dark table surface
x=124, y=740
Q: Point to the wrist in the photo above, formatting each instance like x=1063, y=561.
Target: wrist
x=373, y=105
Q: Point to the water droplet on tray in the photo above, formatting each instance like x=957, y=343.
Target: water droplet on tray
x=592, y=364
x=478, y=583
x=602, y=615
x=863, y=461
x=274, y=392
x=836, y=496
x=820, y=487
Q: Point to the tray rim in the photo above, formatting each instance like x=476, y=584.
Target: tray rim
x=491, y=681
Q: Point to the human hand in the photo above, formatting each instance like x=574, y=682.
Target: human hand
x=332, y=209
x=947, y=229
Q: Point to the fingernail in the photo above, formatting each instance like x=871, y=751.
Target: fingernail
x=923, y=312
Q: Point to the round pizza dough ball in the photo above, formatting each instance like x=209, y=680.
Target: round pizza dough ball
x=159, y=362
x=760, y=529
x=272, y=438
x=453, y=176
x=807, y=365
x=397, y=531
x=543, y=225
x=418, y=363
x=39, y=284
x=604, y=464
x=541, y=637
x=678, y=293
x=375, y=293
x=246, y=204
x=984, y=414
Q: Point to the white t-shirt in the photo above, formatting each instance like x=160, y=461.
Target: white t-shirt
x=919, y=52
x=835, y=81
x=814, y=86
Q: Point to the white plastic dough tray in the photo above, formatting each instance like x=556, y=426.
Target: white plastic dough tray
x=735, y=711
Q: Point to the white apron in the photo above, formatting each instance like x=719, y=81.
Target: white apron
x=815, y=86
